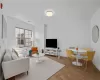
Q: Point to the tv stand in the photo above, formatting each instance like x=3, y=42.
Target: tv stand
x=52, y=51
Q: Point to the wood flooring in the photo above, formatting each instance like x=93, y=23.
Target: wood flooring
x=71, y=72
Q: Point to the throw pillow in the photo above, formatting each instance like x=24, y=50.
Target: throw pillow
x=13, y=50
x=14, y=56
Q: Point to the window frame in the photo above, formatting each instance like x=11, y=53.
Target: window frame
x=29, y=42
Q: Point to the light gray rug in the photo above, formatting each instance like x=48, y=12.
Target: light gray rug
x=41, y=71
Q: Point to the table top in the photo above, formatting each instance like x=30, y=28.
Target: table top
x=38, y=55
x=79, y=50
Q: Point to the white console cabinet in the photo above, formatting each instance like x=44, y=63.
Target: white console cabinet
x=52, y=51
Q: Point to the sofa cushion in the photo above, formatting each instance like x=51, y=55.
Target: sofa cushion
x=9, y=55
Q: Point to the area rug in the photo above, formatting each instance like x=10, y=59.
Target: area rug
x=42, y=70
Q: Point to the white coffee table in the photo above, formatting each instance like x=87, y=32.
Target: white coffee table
x=38, y=56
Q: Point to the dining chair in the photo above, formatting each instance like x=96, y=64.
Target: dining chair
x=88, y=56
x=70, y=54
x=34, y=50
x=88, y=49
x=71, y=47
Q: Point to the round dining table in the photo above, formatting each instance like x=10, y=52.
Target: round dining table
x=77, y=54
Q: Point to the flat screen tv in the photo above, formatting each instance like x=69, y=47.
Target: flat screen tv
x=51, y=43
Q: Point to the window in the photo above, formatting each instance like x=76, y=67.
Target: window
x=23, y=37
x=28, y=36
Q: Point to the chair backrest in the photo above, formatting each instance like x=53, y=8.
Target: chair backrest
x=88, y=49
x=71, y=47
x=34, y=49
x=90, y=55
x=69, y=53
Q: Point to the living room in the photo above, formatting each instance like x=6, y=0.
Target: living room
x=70, y=22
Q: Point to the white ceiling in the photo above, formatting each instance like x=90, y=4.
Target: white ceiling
x=34, y=9
x=32, y=1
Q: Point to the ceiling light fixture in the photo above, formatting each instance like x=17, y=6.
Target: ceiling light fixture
x=49, y=13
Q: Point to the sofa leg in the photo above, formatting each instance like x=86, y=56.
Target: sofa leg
x=27, y=72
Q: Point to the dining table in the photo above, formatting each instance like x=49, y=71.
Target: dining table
x=77, y=54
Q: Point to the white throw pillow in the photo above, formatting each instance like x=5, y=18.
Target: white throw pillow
x=14, y=56
x=13, y=50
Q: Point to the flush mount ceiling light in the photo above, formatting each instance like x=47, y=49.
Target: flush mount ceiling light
x=49, y=13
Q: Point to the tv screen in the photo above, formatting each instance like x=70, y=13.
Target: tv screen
x=51, y=43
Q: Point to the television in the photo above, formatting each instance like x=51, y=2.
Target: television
x=51, y=43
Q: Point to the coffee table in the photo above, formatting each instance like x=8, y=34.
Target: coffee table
x=38, y=56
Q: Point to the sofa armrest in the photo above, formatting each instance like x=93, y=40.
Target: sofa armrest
x=15, y=67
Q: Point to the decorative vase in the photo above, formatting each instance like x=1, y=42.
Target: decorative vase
x=77, y=48
x=30, y=52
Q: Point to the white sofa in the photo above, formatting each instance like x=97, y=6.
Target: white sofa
x=15, y=67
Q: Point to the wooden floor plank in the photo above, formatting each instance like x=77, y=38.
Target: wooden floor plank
x=70, y=72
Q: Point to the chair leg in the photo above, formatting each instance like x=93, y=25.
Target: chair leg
x=86, y=63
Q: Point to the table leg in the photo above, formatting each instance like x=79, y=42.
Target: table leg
x=58, y=55
x=76, y=63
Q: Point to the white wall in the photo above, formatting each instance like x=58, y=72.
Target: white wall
x=0, y=23
x=3, y=26
x=96, y=46
x=69, y=28
x=70, y=24
x=39, y=36
x=12, y=23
